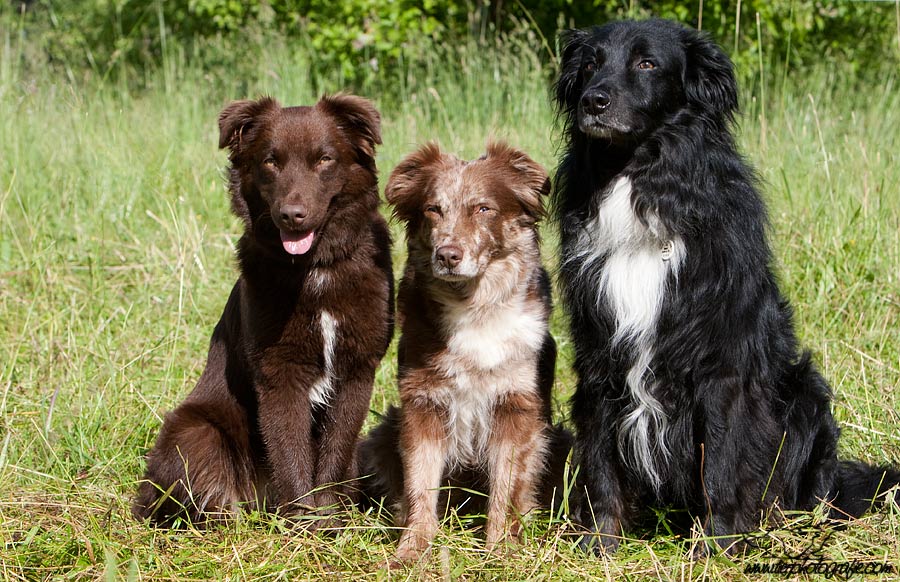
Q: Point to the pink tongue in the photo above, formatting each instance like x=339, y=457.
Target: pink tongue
x=297, y=244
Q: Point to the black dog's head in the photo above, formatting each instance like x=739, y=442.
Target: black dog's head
x=289, y=165
x=621, y=81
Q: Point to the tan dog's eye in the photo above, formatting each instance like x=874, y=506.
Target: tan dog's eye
x=433, y=210
x=646, y=65
x=482, y=209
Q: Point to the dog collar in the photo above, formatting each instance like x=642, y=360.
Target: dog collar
x=666, y=249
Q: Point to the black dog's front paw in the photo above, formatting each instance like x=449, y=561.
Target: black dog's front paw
x=597, y=542
x=707, y=544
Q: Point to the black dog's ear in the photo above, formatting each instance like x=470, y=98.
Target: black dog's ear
x=569, y=63
x=708, y=77
x=528, y=180
x=239, y=121
x=358, y=117
x=410, y=180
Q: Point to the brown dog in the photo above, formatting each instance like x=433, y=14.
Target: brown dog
x=278, y=409
x=476, y=357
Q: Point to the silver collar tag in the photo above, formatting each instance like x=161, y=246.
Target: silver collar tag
x=666, y=249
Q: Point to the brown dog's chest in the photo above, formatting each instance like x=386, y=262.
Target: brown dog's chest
x=297, y=330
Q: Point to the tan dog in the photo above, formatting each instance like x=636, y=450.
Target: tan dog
x=476, y=357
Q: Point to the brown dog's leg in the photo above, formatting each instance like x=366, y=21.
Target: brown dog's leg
x=202, y=466
x=285, y=423
x=423, y=448
x=341, y=422
x=516, y=452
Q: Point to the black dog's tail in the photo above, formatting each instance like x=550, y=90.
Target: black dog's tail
x=859, y=486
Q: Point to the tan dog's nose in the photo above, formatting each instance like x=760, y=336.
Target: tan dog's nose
x=449, y=256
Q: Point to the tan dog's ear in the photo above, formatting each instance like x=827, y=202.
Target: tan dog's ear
x=411, y=179
x=239, y=122
x=526, y=178
x=358, y=117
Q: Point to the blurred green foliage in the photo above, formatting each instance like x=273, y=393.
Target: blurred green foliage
x=355, y=39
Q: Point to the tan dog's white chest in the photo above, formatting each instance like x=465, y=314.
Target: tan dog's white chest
x=489, y=356
x=487, y=338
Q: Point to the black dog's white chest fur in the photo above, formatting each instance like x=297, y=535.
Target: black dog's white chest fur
x=633, y=261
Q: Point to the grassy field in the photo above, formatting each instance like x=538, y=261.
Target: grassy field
x=116, y=258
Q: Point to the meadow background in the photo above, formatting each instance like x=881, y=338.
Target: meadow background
x=116, y=246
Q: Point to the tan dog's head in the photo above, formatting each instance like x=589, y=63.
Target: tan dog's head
x=459, y=215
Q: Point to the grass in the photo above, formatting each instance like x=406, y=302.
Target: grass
x=116, y=258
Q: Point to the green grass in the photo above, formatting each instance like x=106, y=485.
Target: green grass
x=116, y=260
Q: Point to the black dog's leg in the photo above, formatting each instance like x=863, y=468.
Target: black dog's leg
x=738, y=456
x=606, y=507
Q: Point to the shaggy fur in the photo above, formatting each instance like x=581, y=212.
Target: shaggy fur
x=691, y=390
x=476, y=357
x=277, y=411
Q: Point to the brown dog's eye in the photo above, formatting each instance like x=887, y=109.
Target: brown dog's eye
x=270, y=163
x=482, y=209
x=433, y=210
x=646, y=65
x=325, y=159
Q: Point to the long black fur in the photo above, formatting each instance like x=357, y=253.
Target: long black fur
x=748, y=415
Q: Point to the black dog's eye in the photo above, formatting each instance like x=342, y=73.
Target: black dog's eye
x=646, y=65
x=589, y=67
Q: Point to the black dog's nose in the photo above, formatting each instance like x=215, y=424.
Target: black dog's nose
x=449, y=256
x=293, y=214
x=595, y=102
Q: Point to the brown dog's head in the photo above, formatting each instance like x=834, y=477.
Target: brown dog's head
x=289, y=165
x=460, y=215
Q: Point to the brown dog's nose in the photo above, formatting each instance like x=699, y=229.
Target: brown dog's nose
x=293, y=214
x=596, y=102
x=449, y=256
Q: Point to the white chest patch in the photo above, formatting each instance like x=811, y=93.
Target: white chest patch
x=638, y=259
x=486, y=339
x=318, y=280
x=490, y=354
x=469, y=402
x=321, y=391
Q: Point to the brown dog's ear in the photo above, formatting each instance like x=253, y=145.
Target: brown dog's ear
x=410, y=180
x=527, y=179
x=239, y=121
x=358, y=117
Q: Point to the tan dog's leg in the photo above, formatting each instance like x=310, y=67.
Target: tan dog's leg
x=516, y=454
x=423, y=446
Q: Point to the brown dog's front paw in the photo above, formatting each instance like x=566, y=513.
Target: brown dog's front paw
x=328, y=502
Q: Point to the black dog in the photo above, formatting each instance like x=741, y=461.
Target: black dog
x=692, y=390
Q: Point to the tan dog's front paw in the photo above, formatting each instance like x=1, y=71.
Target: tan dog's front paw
x=497, y=538
x=414, y=543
